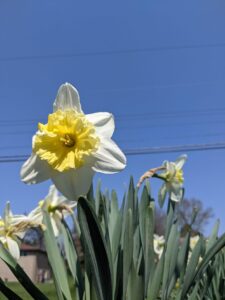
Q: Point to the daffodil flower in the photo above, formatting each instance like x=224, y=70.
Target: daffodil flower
x=72, y=146
x=173, y=177
x=193, y=241
x=158, y=243
x=13, y=229
x=57, y=206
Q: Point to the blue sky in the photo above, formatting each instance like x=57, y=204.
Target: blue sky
x=158, y=66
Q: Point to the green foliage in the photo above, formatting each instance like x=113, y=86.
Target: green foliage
x=120, y=258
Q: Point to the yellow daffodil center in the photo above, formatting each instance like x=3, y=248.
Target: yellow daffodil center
x=66, y=140
x=174, y=175
x=179, y=176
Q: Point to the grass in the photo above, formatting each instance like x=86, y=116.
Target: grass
x=48, y=289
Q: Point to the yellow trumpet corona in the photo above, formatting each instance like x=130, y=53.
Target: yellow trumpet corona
x=66, y=140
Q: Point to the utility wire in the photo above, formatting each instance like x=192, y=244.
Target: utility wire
x=141, y=151
x=111, y=52
x=212, y=112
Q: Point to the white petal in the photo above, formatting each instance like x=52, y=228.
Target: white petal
x=20, y=234
x=36, y=215
x=7, y=213
x=73, y=183
x=67, y=98
x=34, y=170
x=52, y=197
x=13, y=248
x=180, y=161
x=54, y=226
x=176, y=196
x=109, y=158
x=103, y=122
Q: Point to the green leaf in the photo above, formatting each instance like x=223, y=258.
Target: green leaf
x=154, y=285
x=219, y=244
x=194, y=260
x=162, y=194
x=170, y=217
x=136, y=247
x=144, y=203
x=96, y=250
x=114, y=226
x=8, y=292
x=213, y=235
x=21, y=275
x=72, y=257
x=127, y=250
x=170, y=259
x=194, y=294
x=183, y=257
x=56, y=261
x=98, y=197
x=135, y=288
x=149, y=247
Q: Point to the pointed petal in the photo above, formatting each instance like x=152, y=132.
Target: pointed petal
x=13, y=248
x=176, y=195
x=67, y=98
x=36, y=215
x=52, y=197
x=54, y=225
x=180, y=161
x=7, y=213
x=34, y=170
x=109, y=158
x=73, y=183
x=103, y=122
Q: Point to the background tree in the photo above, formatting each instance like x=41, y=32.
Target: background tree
x=185, y=212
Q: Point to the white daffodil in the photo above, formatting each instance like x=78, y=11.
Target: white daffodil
x=72, y=146
x=193, y=241
x=158, y=243
x=173, y=176
x=13, y=229
x=57, y=207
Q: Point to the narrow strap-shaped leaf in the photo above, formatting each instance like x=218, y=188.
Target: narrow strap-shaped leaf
x=9, y=294
x=56, y=261
x=97, y=252
x=154, y=286
x=183, y=257
x=21, y=275
x=213, y=236
x=162, y=195
x=170, y=217
x=194, y=294
x=219, y=244
x=135, y=289
x=127, y=251
x=149, y=248
x=194, y=260
x=72, y=257
x=170, y=259
x=144, y=203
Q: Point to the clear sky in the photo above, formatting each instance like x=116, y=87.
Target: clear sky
x=158, y=66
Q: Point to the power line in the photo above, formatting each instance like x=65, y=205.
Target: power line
x=111, y=52
x=212, y=112
x=141, y=151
